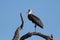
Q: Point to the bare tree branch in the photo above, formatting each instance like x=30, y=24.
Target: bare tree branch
x=22, y=21
x=16, y=35
x=35, y=33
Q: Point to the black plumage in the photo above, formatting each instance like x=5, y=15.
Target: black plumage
x=35, y=20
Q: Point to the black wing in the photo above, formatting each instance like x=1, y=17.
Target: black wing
x=36, y=20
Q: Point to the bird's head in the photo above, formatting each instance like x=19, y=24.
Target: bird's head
x=29, y=11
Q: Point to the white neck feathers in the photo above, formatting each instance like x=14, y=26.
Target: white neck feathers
x=30, y=12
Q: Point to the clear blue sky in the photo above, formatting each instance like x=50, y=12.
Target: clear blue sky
x=47, y=10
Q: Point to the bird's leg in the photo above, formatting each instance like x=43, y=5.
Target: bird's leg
x=35, y=27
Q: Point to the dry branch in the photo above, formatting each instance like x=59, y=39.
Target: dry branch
x=16, y=35
x=35, y=33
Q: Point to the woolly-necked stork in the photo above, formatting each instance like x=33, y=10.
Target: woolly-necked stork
x=34, y=19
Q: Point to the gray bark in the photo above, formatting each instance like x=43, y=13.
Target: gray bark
x=36, y=33
x=16, y=35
